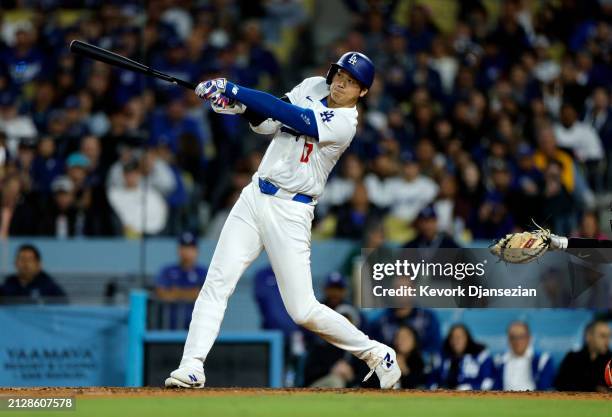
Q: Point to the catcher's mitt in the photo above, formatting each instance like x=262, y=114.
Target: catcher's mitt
x=522, y=248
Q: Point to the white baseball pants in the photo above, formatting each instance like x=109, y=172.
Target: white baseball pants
x=283, y=228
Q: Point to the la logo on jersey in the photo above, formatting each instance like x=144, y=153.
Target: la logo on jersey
x=327, y=115
x=353, y=59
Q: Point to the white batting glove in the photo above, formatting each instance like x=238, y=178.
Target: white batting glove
x=225, y=105
x=210, y=88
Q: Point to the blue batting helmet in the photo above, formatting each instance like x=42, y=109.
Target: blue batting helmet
x=357, y=64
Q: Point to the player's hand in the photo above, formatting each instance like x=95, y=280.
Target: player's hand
x=224, y=105
x=558, y=242
x=211, y=88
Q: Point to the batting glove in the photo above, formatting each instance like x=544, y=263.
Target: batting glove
x=210, y=88
x=224, y=105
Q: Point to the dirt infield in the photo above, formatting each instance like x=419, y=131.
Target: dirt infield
x=115, y=392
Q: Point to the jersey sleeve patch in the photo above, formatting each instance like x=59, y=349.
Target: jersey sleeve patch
x=334, y=126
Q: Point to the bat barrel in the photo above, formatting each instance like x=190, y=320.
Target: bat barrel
x=111, y=58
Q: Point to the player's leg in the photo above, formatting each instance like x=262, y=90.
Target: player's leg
x=239, y=244
x=286, y=237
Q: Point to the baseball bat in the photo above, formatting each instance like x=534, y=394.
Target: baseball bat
x=111, y=58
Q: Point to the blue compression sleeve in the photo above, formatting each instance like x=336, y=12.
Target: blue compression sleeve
x=298, y=118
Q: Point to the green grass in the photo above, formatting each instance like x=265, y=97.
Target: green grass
x=330, y=404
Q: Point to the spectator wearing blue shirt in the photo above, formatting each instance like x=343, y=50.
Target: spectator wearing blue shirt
x=169, y=124
x=175, y=62
x=327, y=366
x=274, y=315
x=46, y=165
x=24, y=62
x=529, y=185
x=428, y=236
x=464, y=364
x=179, y=284
x=522, y=368
x=422, y=320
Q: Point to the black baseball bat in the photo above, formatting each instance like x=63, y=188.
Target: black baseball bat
x=111, y=58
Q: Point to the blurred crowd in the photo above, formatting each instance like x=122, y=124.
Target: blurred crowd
x=502, y=117
x=428, y=356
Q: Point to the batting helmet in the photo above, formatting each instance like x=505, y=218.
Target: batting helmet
x=357, y=64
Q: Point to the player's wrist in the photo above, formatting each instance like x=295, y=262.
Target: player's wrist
x=558, y=242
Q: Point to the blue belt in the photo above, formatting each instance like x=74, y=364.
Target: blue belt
x=267, y=187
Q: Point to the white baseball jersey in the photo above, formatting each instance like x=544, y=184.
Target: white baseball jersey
x=258, y=221
x=301, y=164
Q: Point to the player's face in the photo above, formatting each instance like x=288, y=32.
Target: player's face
x=345, y=90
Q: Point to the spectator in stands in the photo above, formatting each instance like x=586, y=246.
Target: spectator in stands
x=589, y=227
x=24, y=61
x=422, y=320
x=340, y=188
x=14, y=125
x=409, y=357
x=157, y=172
x=30, y=284
x=464, y=364
x=522, y=368
x=549, y=151
x=445, y=206
x=412, y=191
x=335, y=290
x=46, y=165
x=18, y=209
x=599, y=116
x=428, y=235
x=583, y=370
x=273, y=313
x=529, y=184
x=139, y=207
x=179, y=284
x=557, y=200
x=327, y=365
x=63, y=219
x=493, y=218
x=91, y=148
x=168, y=125
x=354, y=215
x=26, y=152
x=583, y=140
x=383, y=171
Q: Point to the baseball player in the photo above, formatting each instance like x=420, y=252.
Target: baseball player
x=312, y=126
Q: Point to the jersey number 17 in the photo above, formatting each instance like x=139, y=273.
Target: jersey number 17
x=308, y=147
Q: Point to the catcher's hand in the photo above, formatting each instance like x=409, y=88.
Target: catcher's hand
x=522, y=248
x=225, y=105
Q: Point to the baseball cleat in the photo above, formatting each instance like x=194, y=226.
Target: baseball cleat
x=384, y=362
x=185, y=378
